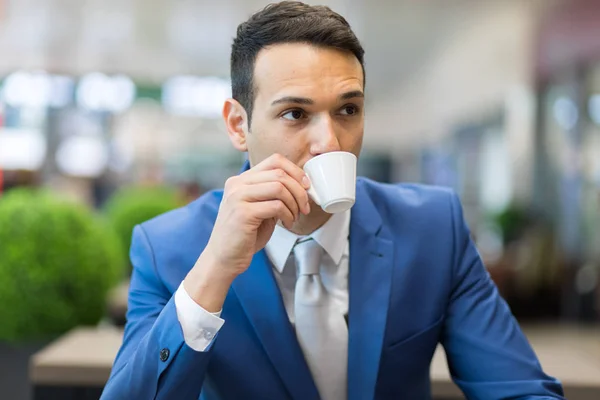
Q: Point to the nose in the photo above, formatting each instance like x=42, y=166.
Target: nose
x=325, y=137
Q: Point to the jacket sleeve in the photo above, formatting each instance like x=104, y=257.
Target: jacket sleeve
x=154, y=362
x=488, y=355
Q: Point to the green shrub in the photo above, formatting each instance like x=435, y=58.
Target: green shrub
x=57, y=263
x=512, y=222
x=131, y=206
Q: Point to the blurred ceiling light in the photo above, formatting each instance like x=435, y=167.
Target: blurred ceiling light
x=82, y=156
x=594, y=108
x=565, y=112
x=99, y=92
x=21, y=149
x=22, y=89
x=195, y=96
x=37, y=90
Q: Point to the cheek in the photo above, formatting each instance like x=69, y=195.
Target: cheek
x=272, y=139
x=295, y=150
x=352, y=140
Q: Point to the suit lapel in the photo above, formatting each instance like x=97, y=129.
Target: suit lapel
x=370, y=276
x=262, y=303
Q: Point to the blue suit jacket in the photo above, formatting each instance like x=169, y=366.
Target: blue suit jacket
x=415, y=280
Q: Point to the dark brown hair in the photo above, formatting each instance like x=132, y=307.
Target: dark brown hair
x=285, y=22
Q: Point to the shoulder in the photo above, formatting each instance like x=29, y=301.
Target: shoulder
x=174, y=240
x=411, y=196
x=193, y=219
x=420, y=208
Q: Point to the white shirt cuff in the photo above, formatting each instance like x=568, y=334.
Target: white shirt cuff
x=198, y=325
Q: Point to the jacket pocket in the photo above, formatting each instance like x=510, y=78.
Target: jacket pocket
x=431, y=330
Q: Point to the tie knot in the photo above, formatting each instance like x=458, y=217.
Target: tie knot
x=308, y=255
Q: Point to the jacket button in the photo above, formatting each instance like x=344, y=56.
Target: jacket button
x=164, y=355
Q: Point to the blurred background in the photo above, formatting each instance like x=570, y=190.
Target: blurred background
x=110, y=114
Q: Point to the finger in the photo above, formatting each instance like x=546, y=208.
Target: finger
x=272, y=209
x=279, y=175
x=267, y=191
x=278, y=161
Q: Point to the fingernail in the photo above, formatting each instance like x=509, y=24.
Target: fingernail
x=307, y=208
x=305, y=181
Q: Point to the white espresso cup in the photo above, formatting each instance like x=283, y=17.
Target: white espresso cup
x=332, y=180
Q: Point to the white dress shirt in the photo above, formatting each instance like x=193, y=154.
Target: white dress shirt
x=200, y=326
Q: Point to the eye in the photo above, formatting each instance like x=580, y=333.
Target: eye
x=293, y=115
x=349, y=110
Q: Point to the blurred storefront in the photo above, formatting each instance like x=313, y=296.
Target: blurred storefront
x=568, y=147
x=507, y=113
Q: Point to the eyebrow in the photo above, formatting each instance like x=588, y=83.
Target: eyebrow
x=352, y=95
x=306, y=101
x=293, y=100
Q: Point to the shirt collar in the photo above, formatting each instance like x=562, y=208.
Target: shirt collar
x=332, y=236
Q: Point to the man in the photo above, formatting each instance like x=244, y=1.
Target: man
x=218, y=300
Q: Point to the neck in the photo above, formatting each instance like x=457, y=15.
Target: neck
x=307, y=224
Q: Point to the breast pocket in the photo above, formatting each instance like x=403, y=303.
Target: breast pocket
x=424, y=333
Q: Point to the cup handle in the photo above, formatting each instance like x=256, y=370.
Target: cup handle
x=313, y=195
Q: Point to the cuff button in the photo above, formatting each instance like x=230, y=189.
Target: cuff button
x=164, y=355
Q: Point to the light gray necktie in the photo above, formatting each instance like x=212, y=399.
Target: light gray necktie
x=322, y=332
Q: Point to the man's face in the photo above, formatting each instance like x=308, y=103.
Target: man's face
x=308, y=101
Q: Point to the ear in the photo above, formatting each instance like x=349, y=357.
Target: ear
x=236, y=122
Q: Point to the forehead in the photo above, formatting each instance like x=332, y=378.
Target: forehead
x=306, y=70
